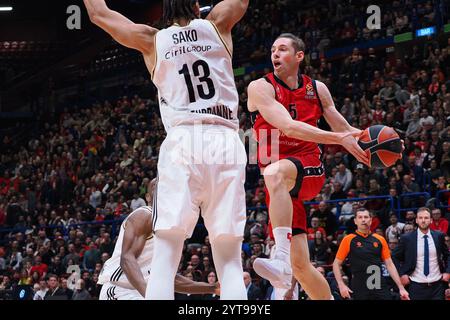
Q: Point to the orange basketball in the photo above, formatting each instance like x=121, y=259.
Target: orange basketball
x=382, y=144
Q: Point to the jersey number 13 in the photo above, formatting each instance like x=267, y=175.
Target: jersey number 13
x=200, y=70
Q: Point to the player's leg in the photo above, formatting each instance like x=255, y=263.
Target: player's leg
x=311, y=280
x=224, y=212
x=226, y=251
x=280, y=179
x=166, y=257
x=174, y=211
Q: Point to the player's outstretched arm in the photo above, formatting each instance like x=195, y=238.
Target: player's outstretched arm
x=137, y=231
x=336, y=121
x=227, y=13
x=123, y=30
x=187, y=286
x=261, y=97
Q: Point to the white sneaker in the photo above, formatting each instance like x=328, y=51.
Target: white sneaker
x=278, y=272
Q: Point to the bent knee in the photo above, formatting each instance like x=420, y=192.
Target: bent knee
x=274, y=180
x=300, y=265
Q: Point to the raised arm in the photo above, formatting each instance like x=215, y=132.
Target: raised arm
x=136, y=233
x=123, y=30
x=227, y=13
x=261, y=97
x=336, y=121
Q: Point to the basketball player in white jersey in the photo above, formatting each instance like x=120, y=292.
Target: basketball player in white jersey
x=124, y=276
x=202, y=161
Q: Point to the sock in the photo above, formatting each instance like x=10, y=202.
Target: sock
x=283, y=243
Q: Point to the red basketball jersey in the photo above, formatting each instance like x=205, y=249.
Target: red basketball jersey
x=304, y=105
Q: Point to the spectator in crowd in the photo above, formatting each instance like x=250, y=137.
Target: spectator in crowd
x=211, y=279
x=55, y=292
x=320, y=251
x=344, y=177
x=437, y=222
x=395, y=230
x=253, y=292
x=137, y=202
x=41, y=290
x=80, y=292
x=315, y=228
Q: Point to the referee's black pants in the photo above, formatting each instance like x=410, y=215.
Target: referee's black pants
x=426, y=291
x=365, y=294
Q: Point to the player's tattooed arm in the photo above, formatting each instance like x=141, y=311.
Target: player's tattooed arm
x=336, y=121
x=123, y=30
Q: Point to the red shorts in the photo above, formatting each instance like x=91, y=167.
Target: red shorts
x=309, y=183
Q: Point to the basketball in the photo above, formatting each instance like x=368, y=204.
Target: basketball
x=382, y=145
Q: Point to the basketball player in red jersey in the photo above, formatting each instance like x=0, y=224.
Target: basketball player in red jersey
x=294, y=104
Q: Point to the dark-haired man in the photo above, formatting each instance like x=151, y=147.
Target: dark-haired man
x=367, y=252
x=202, y=161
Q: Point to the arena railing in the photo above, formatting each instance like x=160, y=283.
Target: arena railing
x=395, y=206
x=438, y=200
x=339, y=203
x=399, y=208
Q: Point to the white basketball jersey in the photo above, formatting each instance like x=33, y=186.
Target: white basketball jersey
x=194, y=76
x=112, y=272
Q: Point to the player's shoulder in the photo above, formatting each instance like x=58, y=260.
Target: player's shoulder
x=261, y=84
x=140, y=215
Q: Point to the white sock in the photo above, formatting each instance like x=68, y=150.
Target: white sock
x=283, y=243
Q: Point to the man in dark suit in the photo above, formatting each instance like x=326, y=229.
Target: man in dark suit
x=253, y=292
x=423, y=260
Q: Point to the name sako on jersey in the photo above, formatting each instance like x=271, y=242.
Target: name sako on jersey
x=194, y=76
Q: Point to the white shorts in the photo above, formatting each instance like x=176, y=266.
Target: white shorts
x=201, y=169
x=111, y=291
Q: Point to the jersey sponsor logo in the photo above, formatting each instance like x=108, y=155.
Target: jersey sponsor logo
x=185, y=36
x=219, y=110
x=178, y=51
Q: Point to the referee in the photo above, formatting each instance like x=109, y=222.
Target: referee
x=366, y=252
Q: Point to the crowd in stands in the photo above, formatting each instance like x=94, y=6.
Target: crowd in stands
x=94, y=162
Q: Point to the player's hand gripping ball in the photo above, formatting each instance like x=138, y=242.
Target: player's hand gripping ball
x=382, y=145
